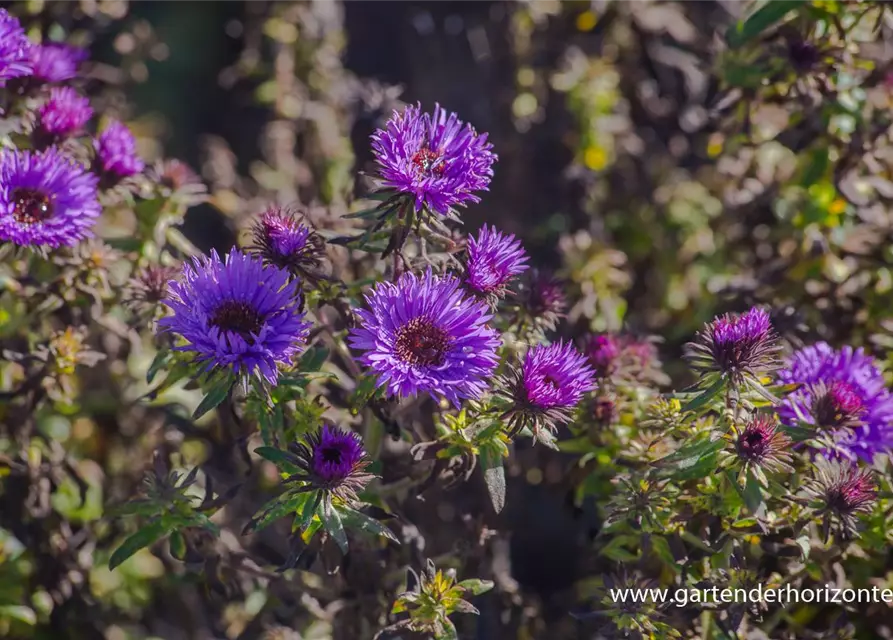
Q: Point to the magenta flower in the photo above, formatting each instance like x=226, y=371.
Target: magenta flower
x=46, y=199
x=56, y=62
x=283, y=239
x=840, y=492
x=64, y=113
x=15, y=49
x=738, y=346
x=844, y=395
x=333, y=461
x=547, y=387
x=435, y=159
x=116, y=151
x=494, y=259
x=237, y=314
x=423, y=335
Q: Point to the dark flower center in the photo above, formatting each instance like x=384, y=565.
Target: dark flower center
x=803, y=54
x=421, y=342
x=238, y=317
x=850, y=495
x=840, y=405
x=752, y=444
x=428, y=162
x=331, y=455
x=30, y=206
x=550, y=380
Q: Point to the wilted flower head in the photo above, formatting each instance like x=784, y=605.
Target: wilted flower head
x=56, y=61
x=738, y=346
x=422, y=334
x=760, y=446
x=547, y=387
x=116, y=151
x=64, y=113
x=333, y=460
x=542, y=299
x=623, y=357
x=46, y=199
x=843, y=394
x=177, y=180
x=237, y=314
x=434, y=158
x=841, y=492
x=494, y=258
x=282, y=238
x=148, y=287
x=15, y=58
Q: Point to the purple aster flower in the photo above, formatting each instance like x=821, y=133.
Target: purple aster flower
x=842, y=395
x=547, y=387
x=239, y=315
x=421, y=334
x=623, y=358
x=46, y=199
x=334, y=461
x=56, y=61
x=283, y=239
x=116, y=151
x=741, y=347
x=435, y=159
x=494, y=258
x=63, y=114
x=840, y=492
x=15, y=49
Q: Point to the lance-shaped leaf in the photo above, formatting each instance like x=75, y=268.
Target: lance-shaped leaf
x=144, y=537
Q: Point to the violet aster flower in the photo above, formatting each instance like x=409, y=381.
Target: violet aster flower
x=547, y=387
x=56, y=61
x=742, y=347
x=840, y=492
x=423, y=334
x=64, y=113
x=237, y=314
x=433, y=158
x=604, y=352
x=843, y=395
x=15, y=49
x=283, y=239
x=334, y=461
x=46, y=199
x=116, y=151
x=494, y=258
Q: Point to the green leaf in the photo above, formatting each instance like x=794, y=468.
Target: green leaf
x=158, y=362
x=288, y=503
x=216, y=394
x=767, y=15
x=309, y=509
x=331, y=520
x=494, y=476
x=705, y=396
x=359, y=521
x=448, y=632
x=18, y=612
x=476, y=587
x=144, y=537
x=177, y=545
x=753, y=495
x=313, y=359
x=278, y=457
x=692, y=460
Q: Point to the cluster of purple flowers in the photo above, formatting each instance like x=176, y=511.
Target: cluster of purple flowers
x=48, y=198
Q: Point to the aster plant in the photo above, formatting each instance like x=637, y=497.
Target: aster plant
x=63, y=114
x=494, y=259
x=841, y=401
x=423, y=334
x=47, y=200
x=323, y=475
x=543, y=391
x=238, y=317
x=284, y=239
x=15, y=49
x=839, y=493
